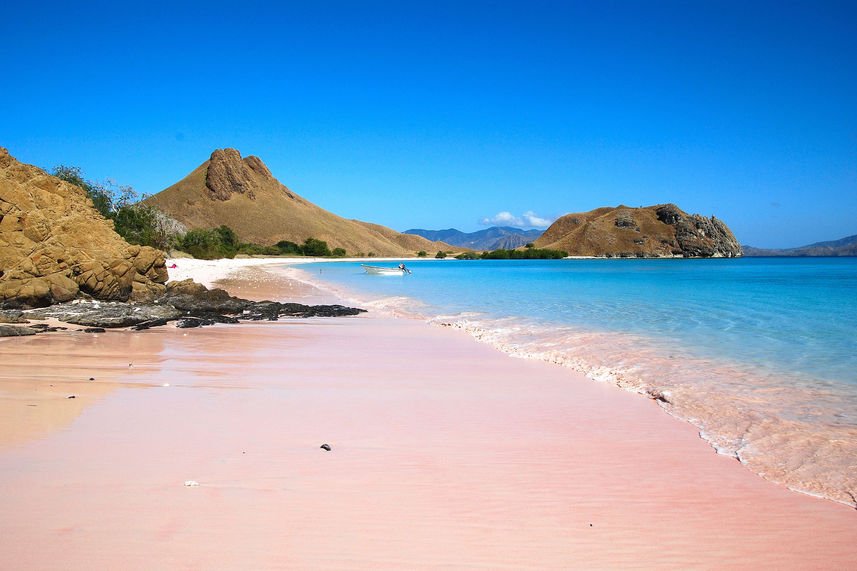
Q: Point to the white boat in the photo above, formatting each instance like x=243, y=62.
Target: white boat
x=385, y=271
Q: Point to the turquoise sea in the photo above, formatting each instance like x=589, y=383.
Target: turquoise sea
x=759, y=353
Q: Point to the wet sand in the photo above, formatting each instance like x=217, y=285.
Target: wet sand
x=444, y=453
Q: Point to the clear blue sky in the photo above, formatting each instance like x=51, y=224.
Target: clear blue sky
x=442, y=114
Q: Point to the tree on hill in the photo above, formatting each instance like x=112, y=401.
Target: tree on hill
x=137, y=224
x=101, y=197
x=287, y=247
x=315, y=247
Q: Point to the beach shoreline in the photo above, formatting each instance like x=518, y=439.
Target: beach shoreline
x=443, y=452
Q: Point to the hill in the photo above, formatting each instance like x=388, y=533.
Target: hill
x=55, y=246
x=492, y=238
x=843, y=247
x=243, y=194
x=660, y=231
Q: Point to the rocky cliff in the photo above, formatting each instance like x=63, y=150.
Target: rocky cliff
x=243, y=194
x=661, y=231
x=54, y=245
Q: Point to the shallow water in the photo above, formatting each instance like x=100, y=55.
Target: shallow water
x=759, y=353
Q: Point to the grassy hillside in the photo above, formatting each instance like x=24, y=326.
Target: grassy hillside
x=662, y=230
x=242, y=194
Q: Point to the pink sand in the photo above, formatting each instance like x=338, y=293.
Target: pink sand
x=444, y=453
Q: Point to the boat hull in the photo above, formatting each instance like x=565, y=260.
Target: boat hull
x=382, y=271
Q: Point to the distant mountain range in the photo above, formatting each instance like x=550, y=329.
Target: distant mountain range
x=492, y=238
x=842, y=247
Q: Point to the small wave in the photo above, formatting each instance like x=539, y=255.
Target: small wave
x=799, y=432
x=794, y=437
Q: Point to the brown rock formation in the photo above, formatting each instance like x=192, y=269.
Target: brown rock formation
x=243, y=194
x=228, y=174
x=54, y=245
x=657, y=231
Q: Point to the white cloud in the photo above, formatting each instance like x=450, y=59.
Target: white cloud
x=527, y=220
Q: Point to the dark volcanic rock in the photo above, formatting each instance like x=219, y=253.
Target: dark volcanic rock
x=106, y=314
x=188, y=322
x=189, y=303
x=298, y=310
x=195, y=299
x=150, y=323
x=12, y=316
x=16, y=331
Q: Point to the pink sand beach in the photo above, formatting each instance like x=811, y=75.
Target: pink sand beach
x=443, y=453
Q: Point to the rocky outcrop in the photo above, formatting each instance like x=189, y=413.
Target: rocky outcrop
x=188, y=303
x=55, y=247
x=228, y=174
x=661, y=231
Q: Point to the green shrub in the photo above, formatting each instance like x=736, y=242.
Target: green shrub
x=284, y=247
x=203, y=243
x=314, y=247
x=138, y=225
x=338, y=252
x=467, y=256
x=440, y=254
x=422, y=254
x=100, y=196
x=227, y=241
x=528, y=254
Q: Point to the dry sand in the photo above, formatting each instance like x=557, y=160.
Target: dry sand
x=444, y=453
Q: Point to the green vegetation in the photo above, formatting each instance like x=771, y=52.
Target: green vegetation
x=440, y=255
x=147, y=226
x=223, y=243
x=284, y=247
x=313, y=247
x=101, y=197
x=528, y=254
x=136, y=223
x=139, y=225
x=422, y=254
